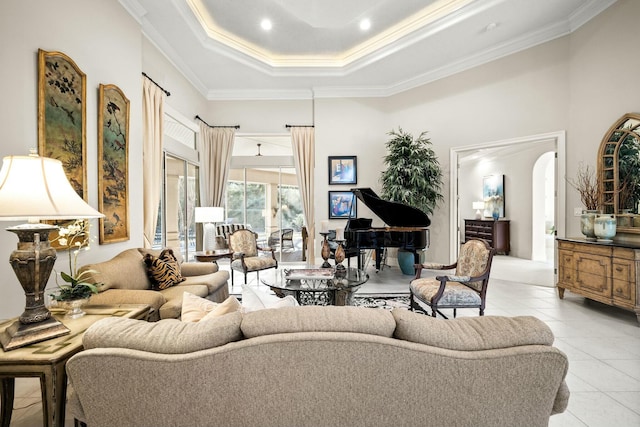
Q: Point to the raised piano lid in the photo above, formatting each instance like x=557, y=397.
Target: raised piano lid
x=393, y=214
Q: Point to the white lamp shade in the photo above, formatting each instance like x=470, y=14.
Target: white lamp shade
x=478, y=206
x=209, y=214
x=34, y=187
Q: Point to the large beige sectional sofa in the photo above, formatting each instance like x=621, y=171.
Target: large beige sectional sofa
x=124, y=280
x=319, y=366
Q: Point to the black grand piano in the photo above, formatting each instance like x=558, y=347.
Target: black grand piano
x=406, y=227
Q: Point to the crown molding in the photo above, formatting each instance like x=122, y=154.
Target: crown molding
x=587, y=12
x=255, y=95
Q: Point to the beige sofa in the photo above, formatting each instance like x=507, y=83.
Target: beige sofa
x=124, y=280
x=319, y=366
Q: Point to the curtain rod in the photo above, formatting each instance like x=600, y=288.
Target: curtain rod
x=299, y=126
x=202, y=120
x=153, y=81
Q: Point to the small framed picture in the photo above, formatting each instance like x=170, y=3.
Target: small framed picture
x=343, y=170
x=342, y=204
x=493, y=194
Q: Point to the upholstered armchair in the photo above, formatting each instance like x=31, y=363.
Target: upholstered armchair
x=287, y=238
x=247, y=255
x=467, y=288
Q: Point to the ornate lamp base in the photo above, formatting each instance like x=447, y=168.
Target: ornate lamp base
x=32, y=262
x=20, y=334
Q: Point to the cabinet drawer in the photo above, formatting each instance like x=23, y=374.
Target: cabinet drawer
x=585, y=248
x=593, y=274
x=624, y=273
x=624, y=292
x=623, y=270
x=566, y=268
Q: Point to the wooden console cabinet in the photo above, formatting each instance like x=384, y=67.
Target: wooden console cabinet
x=496, y=233
x=604, y=272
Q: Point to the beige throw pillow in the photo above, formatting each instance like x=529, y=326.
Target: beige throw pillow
x=195, y=308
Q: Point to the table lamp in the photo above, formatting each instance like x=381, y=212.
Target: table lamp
x=34, y=188
x=209, y=216
x=477, y=206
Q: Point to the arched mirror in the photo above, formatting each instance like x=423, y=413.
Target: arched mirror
x=619, y=171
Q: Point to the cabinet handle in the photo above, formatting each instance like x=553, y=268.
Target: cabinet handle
x=618, y=268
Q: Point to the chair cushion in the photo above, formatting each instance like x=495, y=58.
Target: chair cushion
x=318, y=319
x=255, y=263
x=163, y=271
x=168, y=336
x=454, y=293
x=471, y=333
x=124, y=271
x=473, y=260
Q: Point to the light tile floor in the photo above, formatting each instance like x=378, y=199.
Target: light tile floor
x=602, y=343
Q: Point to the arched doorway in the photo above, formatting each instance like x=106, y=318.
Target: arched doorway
x=543, y=208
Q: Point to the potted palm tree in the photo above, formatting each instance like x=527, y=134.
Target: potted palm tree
x=413, y=176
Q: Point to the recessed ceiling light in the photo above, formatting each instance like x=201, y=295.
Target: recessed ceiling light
x=266, y=24
x=365, y=24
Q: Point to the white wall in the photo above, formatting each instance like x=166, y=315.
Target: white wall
x=104, y=41
x=580, y=83
x=567, y=85
x=107, y=45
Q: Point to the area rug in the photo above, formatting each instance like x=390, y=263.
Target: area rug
x=387, y=302
x=384, y=301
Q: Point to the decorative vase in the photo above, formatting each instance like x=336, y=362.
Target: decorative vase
x=325, y=252
x=74, y=307
x=339, y=255
x=604, y=227
x=495, y=213
x=587, y=222
x=406, y=260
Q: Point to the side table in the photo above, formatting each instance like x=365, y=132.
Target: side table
x=213, y=256
x=47, y=360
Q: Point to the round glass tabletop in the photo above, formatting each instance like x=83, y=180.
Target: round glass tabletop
x=317, y=286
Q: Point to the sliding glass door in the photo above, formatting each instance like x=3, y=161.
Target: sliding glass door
x=180, y=195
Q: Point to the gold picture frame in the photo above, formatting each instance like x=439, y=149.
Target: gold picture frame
x=62, y=134
x=113, y=163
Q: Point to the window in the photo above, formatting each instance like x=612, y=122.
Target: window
x=176, y=227
x=262, y=191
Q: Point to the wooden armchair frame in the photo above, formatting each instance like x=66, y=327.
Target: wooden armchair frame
x=434, y=303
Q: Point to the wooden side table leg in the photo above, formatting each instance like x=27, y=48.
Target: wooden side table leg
x=54, y=396
x=7, y=386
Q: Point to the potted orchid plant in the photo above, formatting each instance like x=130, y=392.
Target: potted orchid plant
x=74, y=237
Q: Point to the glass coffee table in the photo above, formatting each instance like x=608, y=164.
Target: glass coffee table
x=317, y=286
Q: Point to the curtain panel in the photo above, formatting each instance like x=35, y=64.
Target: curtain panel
x=216, y=148
x=303, y=143
x=153, y=118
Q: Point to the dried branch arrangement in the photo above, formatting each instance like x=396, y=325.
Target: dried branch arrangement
x=586, y=183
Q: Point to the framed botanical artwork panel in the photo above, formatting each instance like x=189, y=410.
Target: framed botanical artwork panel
x=113, y=164
x=62, y=116
x=62, y=124
x=493, y=196
x=342, y=204
x=343, y=170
